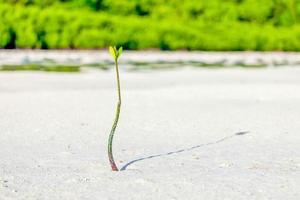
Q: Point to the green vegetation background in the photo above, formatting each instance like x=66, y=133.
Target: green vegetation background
x=142, y=24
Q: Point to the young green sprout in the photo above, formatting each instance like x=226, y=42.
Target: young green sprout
x=115, y=54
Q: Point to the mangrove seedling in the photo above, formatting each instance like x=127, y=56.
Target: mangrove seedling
x=115, y=54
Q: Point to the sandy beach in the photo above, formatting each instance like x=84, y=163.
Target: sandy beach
x=190, y=133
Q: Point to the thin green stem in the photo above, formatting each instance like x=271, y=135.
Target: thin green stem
x=114, y=126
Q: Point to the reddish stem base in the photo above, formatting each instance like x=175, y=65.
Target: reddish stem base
x=114, y=166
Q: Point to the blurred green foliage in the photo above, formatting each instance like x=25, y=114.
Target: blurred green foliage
x=39, y=67
x=144, y=24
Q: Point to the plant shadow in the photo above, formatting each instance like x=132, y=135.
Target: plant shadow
x=183, y=150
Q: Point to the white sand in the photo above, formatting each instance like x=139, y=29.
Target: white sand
x=183, y=134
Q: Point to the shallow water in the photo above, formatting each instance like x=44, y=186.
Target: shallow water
x=76, y=60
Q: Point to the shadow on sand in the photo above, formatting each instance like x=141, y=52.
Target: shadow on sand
x=184, y=150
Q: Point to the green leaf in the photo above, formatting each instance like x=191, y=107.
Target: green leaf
x=112, y=51
x=120, y=51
